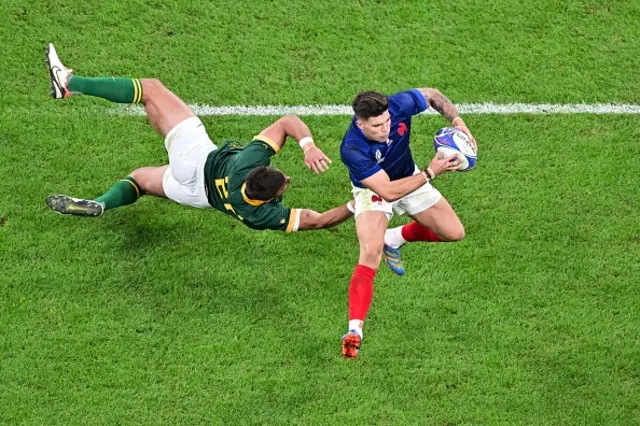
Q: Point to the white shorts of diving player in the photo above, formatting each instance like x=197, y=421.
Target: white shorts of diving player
x=188, y=145
x=418, y=201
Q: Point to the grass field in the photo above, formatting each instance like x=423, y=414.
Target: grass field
x=159, y=314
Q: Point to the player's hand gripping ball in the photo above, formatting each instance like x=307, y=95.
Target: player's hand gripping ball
x=453, y=141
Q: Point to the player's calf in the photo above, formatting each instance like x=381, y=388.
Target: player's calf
x=124, y=192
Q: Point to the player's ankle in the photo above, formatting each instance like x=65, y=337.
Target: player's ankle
x=356, y=325
x=393, y=238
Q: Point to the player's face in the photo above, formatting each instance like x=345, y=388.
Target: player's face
x=376, y=128
x=287, y=181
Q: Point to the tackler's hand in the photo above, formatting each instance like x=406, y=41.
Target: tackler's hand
x=316, y=160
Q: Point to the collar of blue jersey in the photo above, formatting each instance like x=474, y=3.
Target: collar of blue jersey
x=254, y=203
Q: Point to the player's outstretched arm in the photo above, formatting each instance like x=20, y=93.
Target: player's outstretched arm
x=292, y=126
x=396, y=189
x=447, y=109
x=311, y=220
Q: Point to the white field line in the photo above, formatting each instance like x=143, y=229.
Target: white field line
x=486, y=108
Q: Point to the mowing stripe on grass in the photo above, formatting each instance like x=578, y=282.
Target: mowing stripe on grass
x=486, y=108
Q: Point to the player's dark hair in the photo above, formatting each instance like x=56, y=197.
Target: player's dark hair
x=263, y=183
x=369, y=104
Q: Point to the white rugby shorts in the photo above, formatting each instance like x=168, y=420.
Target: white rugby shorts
x=188, y=145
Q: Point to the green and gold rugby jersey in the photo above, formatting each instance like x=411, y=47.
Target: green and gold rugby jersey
x=225, y=172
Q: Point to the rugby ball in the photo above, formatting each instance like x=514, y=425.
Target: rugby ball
x=453, y=141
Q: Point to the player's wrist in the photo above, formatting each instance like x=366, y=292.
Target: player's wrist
x=459, y=120
x=429, y=174
x=306, y=143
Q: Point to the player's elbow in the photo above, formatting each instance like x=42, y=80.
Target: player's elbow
x=430, y=93
x=289, y=120
x=389, y=195
x=289, y=123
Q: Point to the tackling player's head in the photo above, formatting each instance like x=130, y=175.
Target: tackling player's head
x=266, y=183
x=372, y=115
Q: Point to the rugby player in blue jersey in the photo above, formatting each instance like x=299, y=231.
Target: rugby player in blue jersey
x=385, y=180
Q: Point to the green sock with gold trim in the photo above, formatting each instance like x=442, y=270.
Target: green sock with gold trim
x=125, y=192
x=115, y=89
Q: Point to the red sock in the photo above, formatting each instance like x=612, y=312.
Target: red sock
x=415, y=232
x=361, y=292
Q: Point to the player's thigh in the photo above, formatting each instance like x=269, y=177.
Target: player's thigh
x=164, y=109
x=371, y=226
x=150, y=180
x=441, y=219
x=368, y=201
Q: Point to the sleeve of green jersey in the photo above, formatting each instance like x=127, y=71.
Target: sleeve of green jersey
x=277, y=217
x=257, y=153
x=267, y=142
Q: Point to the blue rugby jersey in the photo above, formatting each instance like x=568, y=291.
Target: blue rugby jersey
x=364, y=157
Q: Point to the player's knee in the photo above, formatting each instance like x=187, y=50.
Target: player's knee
x=141, y=177
x=371, y=254
x=289, y=120
x=455, y=234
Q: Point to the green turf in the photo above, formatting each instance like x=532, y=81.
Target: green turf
x=160, y=314
x=240, y=52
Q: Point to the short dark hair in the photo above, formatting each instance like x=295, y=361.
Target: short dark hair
x=263, y=183
x=369, y=104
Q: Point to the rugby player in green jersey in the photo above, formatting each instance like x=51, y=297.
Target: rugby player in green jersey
x=234, y=180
